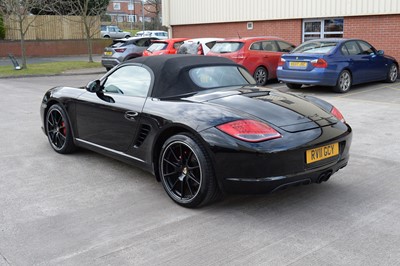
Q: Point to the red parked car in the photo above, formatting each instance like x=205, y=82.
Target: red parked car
x=169, y=46
x=260, y=55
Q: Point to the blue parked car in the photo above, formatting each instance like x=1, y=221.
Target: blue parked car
x=339, y=63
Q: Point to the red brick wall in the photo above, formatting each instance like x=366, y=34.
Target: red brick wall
x=52, y=48
x=380, y=31
x=289, y=30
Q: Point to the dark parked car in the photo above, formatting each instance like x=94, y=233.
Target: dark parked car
x=339, y=63
x=124, y=49
x=260, y=55
x=201, y=125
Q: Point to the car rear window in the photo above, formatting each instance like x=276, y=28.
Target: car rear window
x=220, y=76
x=316, y=47
x=226, y=47
x=157, y=46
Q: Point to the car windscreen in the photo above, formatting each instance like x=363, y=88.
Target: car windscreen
x=316, y=47
x=220, y=76
x=226, y=47
x=157, y=46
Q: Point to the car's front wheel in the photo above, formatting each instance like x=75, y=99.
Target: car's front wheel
x=186, y=172
x=344, y=82
x=294, y=86
x=59, y=130
x=261, y=76
x=392, y=74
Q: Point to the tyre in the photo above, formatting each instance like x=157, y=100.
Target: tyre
x=294, y=86
x=127, y=36
x=59, y=130
x=343, y=83
x=261, y=76
x=392, y=73
x=186, y=172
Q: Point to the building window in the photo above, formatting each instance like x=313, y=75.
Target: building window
x=117, y=6
x=322, y=28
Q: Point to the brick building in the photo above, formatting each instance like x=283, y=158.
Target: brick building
x=129, y=11
x=293, y=20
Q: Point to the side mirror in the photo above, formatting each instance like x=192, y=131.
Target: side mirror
x=94, y=86
x=380, y=52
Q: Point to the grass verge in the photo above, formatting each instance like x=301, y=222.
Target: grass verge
x=46, y=68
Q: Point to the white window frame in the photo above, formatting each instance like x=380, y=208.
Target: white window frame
x=117, y=6
x=322, y=28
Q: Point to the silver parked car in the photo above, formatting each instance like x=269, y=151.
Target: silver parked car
x=113, y=32
x=124, y=49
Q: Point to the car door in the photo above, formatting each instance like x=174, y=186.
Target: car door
x=271, y=56
x=355, y=61
x=376, y=63
x=110, y=118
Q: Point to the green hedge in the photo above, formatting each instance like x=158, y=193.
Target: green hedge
x=2, y=29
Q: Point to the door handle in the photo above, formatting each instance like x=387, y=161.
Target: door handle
x=131, y=115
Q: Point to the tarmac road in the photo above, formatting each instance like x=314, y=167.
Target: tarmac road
x=87, y=209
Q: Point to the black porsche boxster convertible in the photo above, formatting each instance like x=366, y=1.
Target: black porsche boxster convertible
x=201, y=126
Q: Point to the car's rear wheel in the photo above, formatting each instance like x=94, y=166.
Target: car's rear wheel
x=392, y=74
x=186, y=172
x=344, y=82
x=294, y=86
x=59, y=130
x=261, y=76
x=127, y=36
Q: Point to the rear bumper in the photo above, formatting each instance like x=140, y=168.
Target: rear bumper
x=315, y=77
x=109, y=62
x=276, y=183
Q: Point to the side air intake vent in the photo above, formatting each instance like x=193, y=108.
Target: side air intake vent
x=143, y=132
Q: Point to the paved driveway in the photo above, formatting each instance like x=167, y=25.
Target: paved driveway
x=87, y=209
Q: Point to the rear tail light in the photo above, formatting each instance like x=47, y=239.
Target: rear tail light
x=281, y=62
x=319, y=63
x=249, y=130
x=335, y=112
x=120, y=50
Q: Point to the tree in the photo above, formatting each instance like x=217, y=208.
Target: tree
x=154, y=7
x=2, y=29
x=87, y=10
x=17, y=13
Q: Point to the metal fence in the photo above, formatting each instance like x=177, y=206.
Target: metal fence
x=51, y=27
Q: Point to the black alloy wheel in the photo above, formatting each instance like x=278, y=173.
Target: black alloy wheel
x=186, y=172
x=261, y=76
x=392, y=73
x=344, y=82
x=58, y=130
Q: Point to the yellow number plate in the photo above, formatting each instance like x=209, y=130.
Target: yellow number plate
x=298, y=64
x=107, y=53
x=320, y=153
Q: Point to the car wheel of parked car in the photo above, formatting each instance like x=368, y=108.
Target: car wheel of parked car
x=392, y=73
x=261, y=76
x=186, y=172
x=58, y=130
x=344, y=82
x=106, y=36
x=294, y=86
x=127, y=36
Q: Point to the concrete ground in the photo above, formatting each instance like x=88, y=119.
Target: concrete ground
x=87, y=209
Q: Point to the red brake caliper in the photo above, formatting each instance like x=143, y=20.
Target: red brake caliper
x=64, y=130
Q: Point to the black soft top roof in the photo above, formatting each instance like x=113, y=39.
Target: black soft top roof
x=171, y=72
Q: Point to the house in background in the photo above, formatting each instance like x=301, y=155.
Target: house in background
x=293, y=20
x=130, y=11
